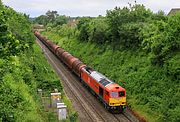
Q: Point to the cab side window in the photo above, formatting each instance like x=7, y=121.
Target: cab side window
x=107, y=93
x=121, y=94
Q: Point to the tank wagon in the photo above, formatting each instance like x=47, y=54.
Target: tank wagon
x=112, y=95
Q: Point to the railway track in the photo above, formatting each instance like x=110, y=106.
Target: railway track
x=89, y=108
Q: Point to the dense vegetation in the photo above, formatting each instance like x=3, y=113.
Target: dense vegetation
x=23, y=69
x=136, y=48
x=16, y=102
x=51, y=18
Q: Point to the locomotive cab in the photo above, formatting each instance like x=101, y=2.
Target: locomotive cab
x=112, y=95
x=117, y=97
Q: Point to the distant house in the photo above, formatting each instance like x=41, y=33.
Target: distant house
x=174, y=11
x=72, y=22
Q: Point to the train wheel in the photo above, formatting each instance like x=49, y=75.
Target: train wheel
x=105, y=106
x=120, y=109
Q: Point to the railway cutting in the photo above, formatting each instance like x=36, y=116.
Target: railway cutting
x=87, y=105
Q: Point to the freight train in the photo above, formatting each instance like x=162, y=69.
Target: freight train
x=112, y=95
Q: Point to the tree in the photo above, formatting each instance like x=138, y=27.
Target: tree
x=43, y=19
x=125, y=24
x=14, y=32
x=161, y=38
x=51, y=15
x=83, y=26
x=98, y=30
x=60, y=20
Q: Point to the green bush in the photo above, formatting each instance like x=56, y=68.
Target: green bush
x=83, y=26
x=161, y=39
x=98, y=30
x=19, y=70
x=73, y=117
x=125, y=25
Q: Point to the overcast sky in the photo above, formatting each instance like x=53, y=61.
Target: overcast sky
x=84, y=7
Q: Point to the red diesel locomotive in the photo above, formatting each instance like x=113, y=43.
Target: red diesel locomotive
x=111, y=94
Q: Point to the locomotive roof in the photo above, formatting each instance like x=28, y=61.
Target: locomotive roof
x=103, y=80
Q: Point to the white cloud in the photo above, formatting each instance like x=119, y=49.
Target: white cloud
x=83, y=7
x=165, y=5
